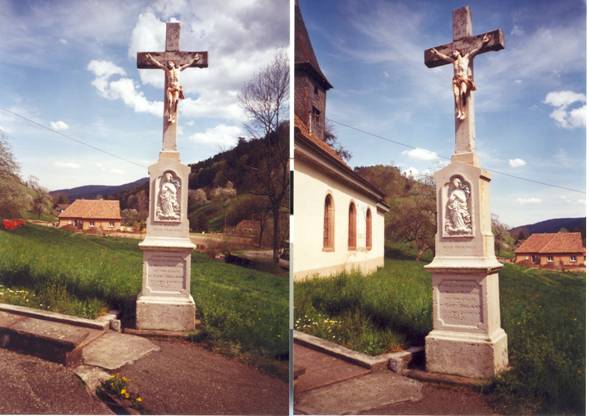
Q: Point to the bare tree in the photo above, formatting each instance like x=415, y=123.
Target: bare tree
x=265, y=97
x=331, y=139
x=265, y=100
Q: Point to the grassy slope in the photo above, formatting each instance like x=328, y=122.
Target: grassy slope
x=543, y=314
x=242, y=308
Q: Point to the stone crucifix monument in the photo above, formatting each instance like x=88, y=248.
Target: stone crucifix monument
x=467, y=338
x=165, y=302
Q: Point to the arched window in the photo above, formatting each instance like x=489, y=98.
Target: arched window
x=368, y=229
x=328, y=223
x=352, y=227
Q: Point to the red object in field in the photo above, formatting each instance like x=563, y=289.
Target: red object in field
x=12, y=224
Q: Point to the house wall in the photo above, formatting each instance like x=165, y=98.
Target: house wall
x=559, y=260
x=101, y=224
x=309, y=258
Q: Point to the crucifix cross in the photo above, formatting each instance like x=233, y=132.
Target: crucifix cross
x=172, y=61
x=460, y=53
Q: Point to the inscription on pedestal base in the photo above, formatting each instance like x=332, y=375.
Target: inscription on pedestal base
x=460, y=302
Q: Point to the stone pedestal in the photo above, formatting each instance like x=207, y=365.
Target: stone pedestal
x=165, y=302
x=467, y=338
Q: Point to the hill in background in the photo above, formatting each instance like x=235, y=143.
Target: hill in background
x=550, y=226
x=94, y=191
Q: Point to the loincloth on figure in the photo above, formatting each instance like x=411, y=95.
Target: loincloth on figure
x=469, y=82
x=176, y=88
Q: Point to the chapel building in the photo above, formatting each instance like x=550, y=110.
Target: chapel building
x=338, y=215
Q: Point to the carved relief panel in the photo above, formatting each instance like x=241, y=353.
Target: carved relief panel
x=168, y=188
x=457, y=208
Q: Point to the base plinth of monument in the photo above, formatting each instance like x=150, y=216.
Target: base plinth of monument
x=159, y=313
x=466, y=354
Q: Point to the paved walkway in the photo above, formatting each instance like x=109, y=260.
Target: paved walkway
x=334, y=386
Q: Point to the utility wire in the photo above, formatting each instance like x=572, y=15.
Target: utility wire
x=386, y=139
x=67, y=136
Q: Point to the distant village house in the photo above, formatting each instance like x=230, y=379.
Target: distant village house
x=87, y=214
x=563, y=251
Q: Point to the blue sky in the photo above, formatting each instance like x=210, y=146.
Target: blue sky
x=530, y=99
x=72, y=65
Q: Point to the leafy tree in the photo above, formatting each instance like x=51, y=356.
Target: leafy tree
x=14, y=198
x=412, y=218
x=41, y=201
x=504, y=242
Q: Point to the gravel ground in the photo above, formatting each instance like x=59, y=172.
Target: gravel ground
x=31, y=385
x=184, y=378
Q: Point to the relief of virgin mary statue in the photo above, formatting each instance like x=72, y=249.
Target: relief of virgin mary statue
x=458, y=218
x=167, y=204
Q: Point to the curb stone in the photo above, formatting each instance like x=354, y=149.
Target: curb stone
x=396, y=361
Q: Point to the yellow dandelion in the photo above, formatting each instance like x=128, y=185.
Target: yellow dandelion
x=124, y=391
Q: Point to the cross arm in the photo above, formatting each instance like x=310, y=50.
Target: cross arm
x=465, y=45
x=179, y=58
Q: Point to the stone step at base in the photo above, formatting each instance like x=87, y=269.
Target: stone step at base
x=53, y=341
x=432, y=377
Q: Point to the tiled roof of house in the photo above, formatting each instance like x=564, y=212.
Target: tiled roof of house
x=93, y=209
x=311, y=137
x=552, y=243
x=304, y=55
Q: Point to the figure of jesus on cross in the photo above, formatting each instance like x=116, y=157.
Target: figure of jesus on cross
x=463, y=82
x=174, y=90
x=172, y=61
x=460, y=53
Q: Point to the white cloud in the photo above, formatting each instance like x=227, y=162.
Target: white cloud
x=564, y=114
x=59, y=125
x=563, y=98
x=241, y=38
x=221, y=135
x=416, y=173
x=528, y=200
x=421, y=154
x=68, y=165
x=122, y=88
x=517, y=163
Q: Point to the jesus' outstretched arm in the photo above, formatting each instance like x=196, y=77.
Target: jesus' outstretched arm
x=441, y=55
x=485, y=40
x=155, y=61
x=195, y=58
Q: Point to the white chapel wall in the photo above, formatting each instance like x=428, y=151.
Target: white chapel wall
x=309, y=259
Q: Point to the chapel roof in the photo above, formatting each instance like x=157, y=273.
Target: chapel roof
x=93, y=209
x=305, y=58
x=545, y=243
x=328, y=153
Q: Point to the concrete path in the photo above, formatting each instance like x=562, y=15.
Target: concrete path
x=322, y=369
x=334, y=386
x=113, y=350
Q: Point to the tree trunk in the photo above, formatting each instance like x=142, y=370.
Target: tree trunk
x=276, y=234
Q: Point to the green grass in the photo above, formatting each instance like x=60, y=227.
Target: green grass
x=543, y=313
x=243, y=311
x=374, y=314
